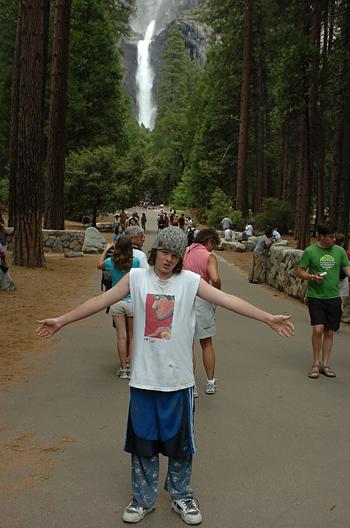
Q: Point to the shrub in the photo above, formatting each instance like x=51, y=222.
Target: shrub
x=276, y=213
x=4, y=191
x=220, y=206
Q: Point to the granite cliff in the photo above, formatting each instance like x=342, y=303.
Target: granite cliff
x=166, y=13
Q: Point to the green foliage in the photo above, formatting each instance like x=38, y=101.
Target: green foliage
x=220, y=206
x=276, y=213
x=168, y=142
x=8, y=9
x=92, y=182
x=181, y=196
x=97, y=106
x=4, y=191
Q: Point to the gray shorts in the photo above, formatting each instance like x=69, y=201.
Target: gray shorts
x=205, y=319
x=122, y=307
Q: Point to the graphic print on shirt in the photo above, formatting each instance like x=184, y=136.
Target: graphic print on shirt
x=159, y=316
x=327, y=262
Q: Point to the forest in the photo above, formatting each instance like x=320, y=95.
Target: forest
x=262, y=131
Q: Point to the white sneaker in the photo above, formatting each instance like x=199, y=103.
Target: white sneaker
x=188, y=509
x=195, y=391
x=211, y=387
x=134, y=513
x=123, y=373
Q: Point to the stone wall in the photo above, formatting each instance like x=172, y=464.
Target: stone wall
x=62, y=241
x=57, y=241
x=281, y=271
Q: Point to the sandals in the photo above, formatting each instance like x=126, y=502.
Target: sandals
x=327, y=371
x=315, y=371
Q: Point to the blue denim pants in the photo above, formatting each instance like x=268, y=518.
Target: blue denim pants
x=145, y=476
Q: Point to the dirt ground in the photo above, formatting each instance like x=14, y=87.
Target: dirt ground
x=41, y=292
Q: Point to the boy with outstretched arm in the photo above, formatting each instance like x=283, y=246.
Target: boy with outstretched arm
x=161, y=407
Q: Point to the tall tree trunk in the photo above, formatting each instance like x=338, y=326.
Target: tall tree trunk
x=302, y=220
x=335, y=175
x=344, y=181
x=324, y=78
x=54, y=212
x=284, y=162
x=241, y=198
x=315, y=123
x=260, y=133
x=14, y=122
x=309, y=123
x=28, y=250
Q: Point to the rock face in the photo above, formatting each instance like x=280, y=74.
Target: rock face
x=346, y=310
x=162, y=11
x=73, y=254
x=166, y=13
x=6, y=282
x=94, y=242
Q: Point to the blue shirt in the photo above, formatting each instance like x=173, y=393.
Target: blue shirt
x=117, y=274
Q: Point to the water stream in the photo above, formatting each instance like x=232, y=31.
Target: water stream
x=144, y=80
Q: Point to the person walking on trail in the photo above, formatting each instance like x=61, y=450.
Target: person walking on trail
x=182, y=221
x=123, y=217
x=161, y=412
x=320, y=265
x=200, y=259
x=226, y=222
x=258, y=269
x=143, y=221
x=137, y=235
x=118, y=265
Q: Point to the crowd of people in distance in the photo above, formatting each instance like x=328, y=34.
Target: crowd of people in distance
x=170, y=218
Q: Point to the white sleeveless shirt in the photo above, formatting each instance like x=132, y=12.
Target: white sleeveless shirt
x=164, y=324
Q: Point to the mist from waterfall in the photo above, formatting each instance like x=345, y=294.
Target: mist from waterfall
x=144, y=80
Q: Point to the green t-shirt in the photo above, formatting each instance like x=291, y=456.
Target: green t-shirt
x=317, y=259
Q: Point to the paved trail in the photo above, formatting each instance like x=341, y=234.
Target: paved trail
x=273, y=445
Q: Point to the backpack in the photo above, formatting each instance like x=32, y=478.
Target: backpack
x=106, y=279
x=160, y=222
x=190, y=235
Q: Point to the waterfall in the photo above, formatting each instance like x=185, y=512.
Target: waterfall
x=144, y=80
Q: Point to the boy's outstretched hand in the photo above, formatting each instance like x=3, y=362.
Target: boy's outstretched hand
x=48, y=327
x=282, y=325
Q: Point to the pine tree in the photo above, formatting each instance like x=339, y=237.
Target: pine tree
x=27, y=132
x=54, y=210
x=169, y=135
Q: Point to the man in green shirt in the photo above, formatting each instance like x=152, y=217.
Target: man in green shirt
x=320, y=266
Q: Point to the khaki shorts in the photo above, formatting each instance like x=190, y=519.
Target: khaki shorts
x=122, y=308
x=205, y=319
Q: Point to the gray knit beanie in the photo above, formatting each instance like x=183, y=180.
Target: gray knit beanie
x=171, y=239
x=134, y=231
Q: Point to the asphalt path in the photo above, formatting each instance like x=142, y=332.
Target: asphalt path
x=273, y=446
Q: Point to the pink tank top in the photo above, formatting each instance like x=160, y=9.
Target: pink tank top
x=196, y=260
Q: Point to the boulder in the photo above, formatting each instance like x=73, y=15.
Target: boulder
x=233, y=246
x=94, y=242
x=6, y=282
x=346, y=311
x=105, y=226
x=73, y=254
x=249, y=244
